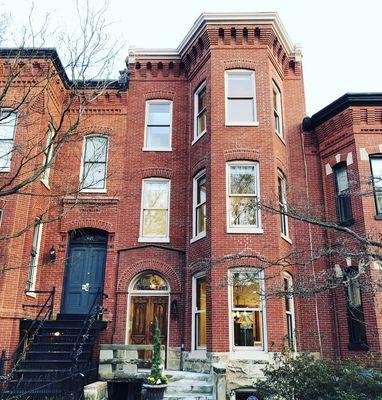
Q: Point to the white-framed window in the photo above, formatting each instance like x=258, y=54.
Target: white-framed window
x=240, y=87
x=200, y=111
x=48, y=154
x=34, y=257
x=247, y=308
x=243, y=196
x=158, y=125
x=8, y=119
x=376, y=171
x=1, y=216
x=155, y=218
x=94, y=164
x=289, y=311
x=284, y=227
x=199, y=317
x=277, y=109
x=199, y=206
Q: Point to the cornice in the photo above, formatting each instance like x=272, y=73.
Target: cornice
x=258, y=18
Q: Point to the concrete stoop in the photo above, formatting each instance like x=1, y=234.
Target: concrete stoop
x=189, y=386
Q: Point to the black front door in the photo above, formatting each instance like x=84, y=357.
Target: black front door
x=85, y=270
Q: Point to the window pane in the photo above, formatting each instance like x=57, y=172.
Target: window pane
x=96, y=149
x=240, y=85
x=94, y=176
x=201, y=219
x=155, y=194
x=6, y=147
x=150, y=282
x=201, y=294
x=202, y=100
x=201, y=198
x=246, y=290
x=244, y=211
x=201, y=328
x=242, y=179
x=155, y=223
x=354, y=293
x=247, y=328
x=341, y=179
x=159, y=114
x=7, y=124
x=377, y=171
x=241, y=110
x=202, y=122
x=158, y=136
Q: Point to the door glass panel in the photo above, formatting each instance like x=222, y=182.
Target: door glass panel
x=150, y=282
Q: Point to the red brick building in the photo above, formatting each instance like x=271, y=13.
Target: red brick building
x=174, y=165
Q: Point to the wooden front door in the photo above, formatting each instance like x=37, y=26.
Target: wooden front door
x=143, y=312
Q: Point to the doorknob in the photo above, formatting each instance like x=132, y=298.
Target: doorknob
x=85, y=287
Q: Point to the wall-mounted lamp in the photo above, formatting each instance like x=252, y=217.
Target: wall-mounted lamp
x=174, y=310
x=52, y=255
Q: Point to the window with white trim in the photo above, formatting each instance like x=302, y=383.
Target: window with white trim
x=155, y=210
x=240, y=97
x=282, y=204
x=376, y=170
x=48, y=154
x=199, y=205
x=8, y=120
x=277, y=110
x=199, y=313
x=246, y=309
x=158, y=125
x=289, y=311
x=243, y=197
x=200, y=110
x=34, y=257
x=94, y=166
x=1, y=216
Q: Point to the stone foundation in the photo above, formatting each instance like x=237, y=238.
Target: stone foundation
x=96, y=391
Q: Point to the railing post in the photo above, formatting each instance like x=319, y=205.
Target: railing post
x=3, y=360
x=52, y=302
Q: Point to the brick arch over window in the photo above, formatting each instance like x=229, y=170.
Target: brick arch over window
x=88, y=223
x=239, y=64
x=242, y=154
x=157, y=172
x=95, y=130
x=198, y=166
x=160, y=94
x=149, y=265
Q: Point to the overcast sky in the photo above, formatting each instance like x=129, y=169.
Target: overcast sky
x=341, y=39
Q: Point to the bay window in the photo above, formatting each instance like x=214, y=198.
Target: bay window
x=155, y=210
x=282, y=205
x=8, y=120
x=342, y=193
x=243, y=197
x=246, y=309
x=158, y=125
x=240, y=97
x=277, y=110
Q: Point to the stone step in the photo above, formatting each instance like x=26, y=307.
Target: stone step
x=176, y=376
x=188, y=396
x=190, y=387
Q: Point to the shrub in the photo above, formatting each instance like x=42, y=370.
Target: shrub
x=302, y=377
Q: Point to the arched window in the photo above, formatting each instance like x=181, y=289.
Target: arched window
x=150, y=281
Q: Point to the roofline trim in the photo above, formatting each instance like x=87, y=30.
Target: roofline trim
x=271, y=18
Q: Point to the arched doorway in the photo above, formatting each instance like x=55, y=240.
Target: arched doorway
x=85, y=270
x=149, y=301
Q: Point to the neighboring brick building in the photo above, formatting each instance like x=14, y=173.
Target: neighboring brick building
x=183, y=155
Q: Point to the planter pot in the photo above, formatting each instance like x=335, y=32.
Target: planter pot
x=154, y=392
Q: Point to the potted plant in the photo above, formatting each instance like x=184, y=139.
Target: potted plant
x=156, y=382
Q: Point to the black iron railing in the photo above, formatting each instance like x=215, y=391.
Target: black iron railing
x=8, y=365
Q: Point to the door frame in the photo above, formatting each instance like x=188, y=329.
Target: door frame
x=68, y=236
x=150, y=293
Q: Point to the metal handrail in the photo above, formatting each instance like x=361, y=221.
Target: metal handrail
x=48, y=314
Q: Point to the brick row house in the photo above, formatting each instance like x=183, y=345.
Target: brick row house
x=174, y=163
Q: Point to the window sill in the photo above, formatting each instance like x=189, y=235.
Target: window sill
x=347, y=223
x=243, y=123
x=93, y=191
x=279, y=135
x=5, y=170
x=196, y=238
x=153, y=240
x=287, y=238
x=198, y=137
x=30, y=294
x=378, y=217
x=156, y=149
x=45, y=183
x=244, y=230
x=358, y=347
